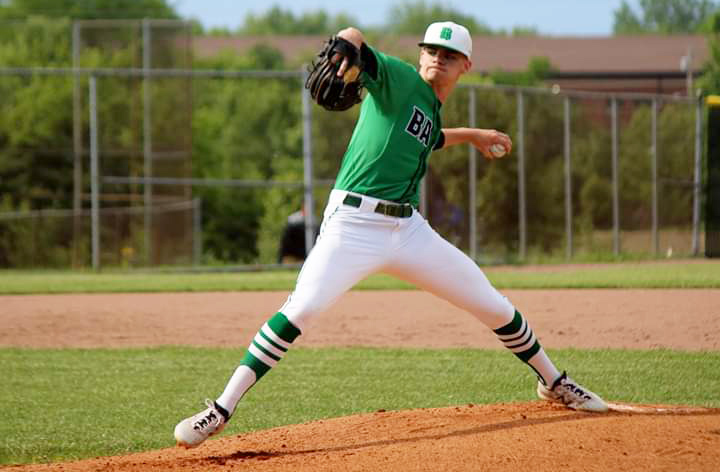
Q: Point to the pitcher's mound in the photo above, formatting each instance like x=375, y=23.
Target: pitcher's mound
x=534, y=436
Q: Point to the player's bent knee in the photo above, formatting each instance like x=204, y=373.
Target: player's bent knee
x=494, y=315
x=301, y=314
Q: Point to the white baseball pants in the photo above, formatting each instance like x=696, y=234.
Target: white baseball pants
x=356, y=242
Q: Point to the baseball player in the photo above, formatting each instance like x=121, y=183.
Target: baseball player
x=371, y=224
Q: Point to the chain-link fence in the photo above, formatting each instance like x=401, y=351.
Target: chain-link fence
x=46, y=238
x=591, y=175
x=172, y=166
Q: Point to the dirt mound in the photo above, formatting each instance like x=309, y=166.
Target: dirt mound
x=533, y=436
x=507, y=437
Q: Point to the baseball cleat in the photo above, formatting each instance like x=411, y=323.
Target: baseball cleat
x=193, y=431
x=571, y=394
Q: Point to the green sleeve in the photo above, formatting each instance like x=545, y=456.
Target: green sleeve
x=389, y=87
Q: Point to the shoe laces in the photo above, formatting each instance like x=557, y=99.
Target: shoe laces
x=570, y=391
x=208, y=418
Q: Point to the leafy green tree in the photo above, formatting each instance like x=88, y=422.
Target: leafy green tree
x=246, y=128
x=413, y=17
x=524, y=31
x=710, y=81
x=215, y=31
x=664, y=16
x=36, y=125
x=279, y=21
x=87, y=9
x=35, y=116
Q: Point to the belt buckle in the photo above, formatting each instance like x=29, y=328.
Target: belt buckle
x=399, y=210
x=382, y=208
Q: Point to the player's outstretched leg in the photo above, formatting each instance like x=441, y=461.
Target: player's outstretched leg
x=333, y=266
x=571, y=394
x=447, y=272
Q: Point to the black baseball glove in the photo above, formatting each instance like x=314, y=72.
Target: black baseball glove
x=326, y=88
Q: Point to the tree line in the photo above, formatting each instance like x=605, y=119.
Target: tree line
x=252, y=129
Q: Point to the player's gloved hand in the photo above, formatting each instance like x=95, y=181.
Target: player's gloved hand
x=331, y=90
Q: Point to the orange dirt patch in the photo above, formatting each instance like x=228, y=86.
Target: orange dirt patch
x=507, y=437
x=638, y=319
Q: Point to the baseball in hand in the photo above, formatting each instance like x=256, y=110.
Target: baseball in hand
x=497, y=150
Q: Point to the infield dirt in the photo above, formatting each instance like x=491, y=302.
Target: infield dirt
x=504, y=437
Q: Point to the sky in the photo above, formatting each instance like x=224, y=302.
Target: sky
x=549, y=17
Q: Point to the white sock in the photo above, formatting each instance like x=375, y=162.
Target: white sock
x=240, y=382
x=544, y=367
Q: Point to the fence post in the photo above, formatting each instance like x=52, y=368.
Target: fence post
x=697, y=177
x=522, y=216
x=94, y=176
x=197, y=231
x=615, y=178
x=308, y=164
x=654, y=177
x=147, y=141
x=568, y=181
x=77, y=148
x=472, y=122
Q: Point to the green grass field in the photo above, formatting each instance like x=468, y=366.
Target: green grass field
x=628, y=275
x=65, y=404
x=61, y=404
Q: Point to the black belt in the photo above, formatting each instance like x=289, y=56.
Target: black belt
x=398, y=210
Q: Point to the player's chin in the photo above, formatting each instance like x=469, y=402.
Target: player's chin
x=435, y=75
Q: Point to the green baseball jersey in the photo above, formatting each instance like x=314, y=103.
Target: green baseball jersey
x=398, y=127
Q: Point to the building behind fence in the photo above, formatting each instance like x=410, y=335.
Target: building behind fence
x=590, y=176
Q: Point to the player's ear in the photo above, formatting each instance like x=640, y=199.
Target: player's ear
x=468, y=65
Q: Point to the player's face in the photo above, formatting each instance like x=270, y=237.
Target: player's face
x=440, y=65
